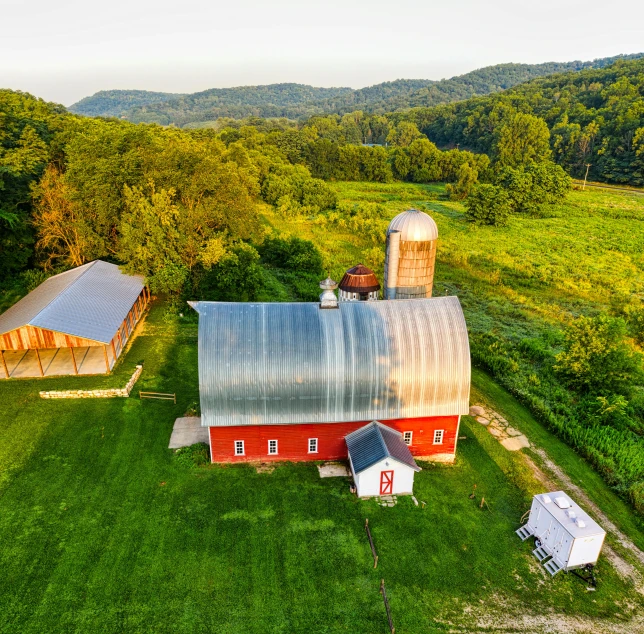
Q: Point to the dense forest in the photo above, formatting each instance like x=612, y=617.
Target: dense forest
x=115, y=103
x=595, y=117
x=295, y=101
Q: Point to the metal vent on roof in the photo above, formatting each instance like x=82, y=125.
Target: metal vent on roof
x=562, y=502
x=580, y=523
x=546, y=499
x=571, y=514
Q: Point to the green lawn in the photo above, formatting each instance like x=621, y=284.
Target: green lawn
x=103, y=529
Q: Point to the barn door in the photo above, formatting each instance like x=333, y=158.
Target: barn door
x=386, y=482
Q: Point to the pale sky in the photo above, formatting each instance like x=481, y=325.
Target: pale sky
x=63, y=50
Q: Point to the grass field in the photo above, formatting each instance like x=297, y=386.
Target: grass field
x=103, y=529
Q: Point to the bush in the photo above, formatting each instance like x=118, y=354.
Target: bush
x=596, y=358
x=531, y=186
x=194, y=456
x=293, y=254
x=487, y=205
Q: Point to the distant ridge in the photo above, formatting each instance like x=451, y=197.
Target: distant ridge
x=297, y=101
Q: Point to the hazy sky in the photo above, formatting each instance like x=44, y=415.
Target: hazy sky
x=67, y=49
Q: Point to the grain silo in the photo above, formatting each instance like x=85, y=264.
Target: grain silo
x=411, y=253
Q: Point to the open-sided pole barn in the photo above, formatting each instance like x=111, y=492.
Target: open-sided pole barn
x=77, y=322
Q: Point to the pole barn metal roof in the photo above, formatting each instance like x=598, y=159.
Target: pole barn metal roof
x=281, y=363
x=90, y=301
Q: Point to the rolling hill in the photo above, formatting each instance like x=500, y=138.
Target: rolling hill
x=297, y=101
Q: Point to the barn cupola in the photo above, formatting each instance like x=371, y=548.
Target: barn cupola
x=410, y=256
x=359, y=284
x=328, y=298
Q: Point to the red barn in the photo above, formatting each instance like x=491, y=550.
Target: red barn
x=282, y=381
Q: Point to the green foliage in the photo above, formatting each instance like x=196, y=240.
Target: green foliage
x=238, y=277
x=594, y=116
x=487, y=205
x=292, y=254
x=116, y=103
x=197, y=455
x=532, y=185
x=467, y=179
x=596, y=358
x=522, y=139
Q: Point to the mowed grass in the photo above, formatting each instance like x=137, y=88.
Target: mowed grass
x=103, y=529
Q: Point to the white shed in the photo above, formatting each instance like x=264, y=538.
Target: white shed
x=381, y=462
x=566, y=537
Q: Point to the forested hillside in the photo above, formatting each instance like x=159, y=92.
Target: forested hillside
x=115, y=103
x=595, y=118
x=295, y=101
x=275, y=100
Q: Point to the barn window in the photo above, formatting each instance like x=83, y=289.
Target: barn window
x=313, y=445
x=239, y=447
x=272, y=447
x=438, y=436
x=407, y=437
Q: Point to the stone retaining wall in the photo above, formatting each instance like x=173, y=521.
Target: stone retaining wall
x=123, y=392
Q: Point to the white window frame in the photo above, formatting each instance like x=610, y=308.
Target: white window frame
x=243, y=448
x=273, y=453
x=315, y=440
x=411, y=437
x=440, y=433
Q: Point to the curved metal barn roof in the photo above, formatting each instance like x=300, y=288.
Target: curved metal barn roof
x=279, y=363
x=90, y=301
x=414, y=226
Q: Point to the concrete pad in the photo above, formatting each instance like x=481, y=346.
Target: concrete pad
x=333, y=470
x=516, y=443
x=477, y=410
x=188, y=431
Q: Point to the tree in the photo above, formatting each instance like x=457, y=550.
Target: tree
x=487, y=205
x=523, y=139
x=467, y=178
x=424, y=161
x=533, y=185
x=404, y=134
x=596, y=357
x=63, y=235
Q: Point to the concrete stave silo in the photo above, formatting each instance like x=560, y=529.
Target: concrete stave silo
x=410, y=256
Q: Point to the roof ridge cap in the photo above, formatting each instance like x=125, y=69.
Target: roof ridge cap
x=53, y=299
x=376, y=424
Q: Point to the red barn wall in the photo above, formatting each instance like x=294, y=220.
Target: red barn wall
x=293, y=439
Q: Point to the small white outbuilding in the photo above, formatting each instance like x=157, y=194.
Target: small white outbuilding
x=566, y=537
x=381, y=463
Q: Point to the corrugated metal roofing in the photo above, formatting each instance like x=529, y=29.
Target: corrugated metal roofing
x=90, y=301
x=280, y=363
x=375, y=442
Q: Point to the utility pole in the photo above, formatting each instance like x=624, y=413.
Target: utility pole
x=586, y=175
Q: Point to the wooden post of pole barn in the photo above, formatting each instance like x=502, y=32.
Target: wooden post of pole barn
x=4, y=364
x=39, y=363
x=113, y=349
x=107, y=361
x=71, y=349
x=120, y=341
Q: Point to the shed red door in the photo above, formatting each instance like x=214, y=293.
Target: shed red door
x=386, y=482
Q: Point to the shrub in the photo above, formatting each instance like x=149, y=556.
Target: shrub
x=487, y=205
x=293, y=254
x=194, y=456
x=596, y=358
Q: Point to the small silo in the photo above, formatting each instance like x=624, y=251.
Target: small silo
x=411, y=254
x=359, y=284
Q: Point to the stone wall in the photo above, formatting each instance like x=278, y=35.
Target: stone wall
x=123, y=392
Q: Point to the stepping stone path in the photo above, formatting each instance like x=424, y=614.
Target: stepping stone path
x=510, y=438
x=387, y=500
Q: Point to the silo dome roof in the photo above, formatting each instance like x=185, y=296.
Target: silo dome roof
x=359, y=279
x=414, y=226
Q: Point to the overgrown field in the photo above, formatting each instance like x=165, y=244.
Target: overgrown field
x=520, y=286
x=104, y=529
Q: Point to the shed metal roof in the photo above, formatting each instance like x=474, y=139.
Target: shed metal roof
x=375, y=442
x=90, y=301
x=563, y=515
x=281, y=363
